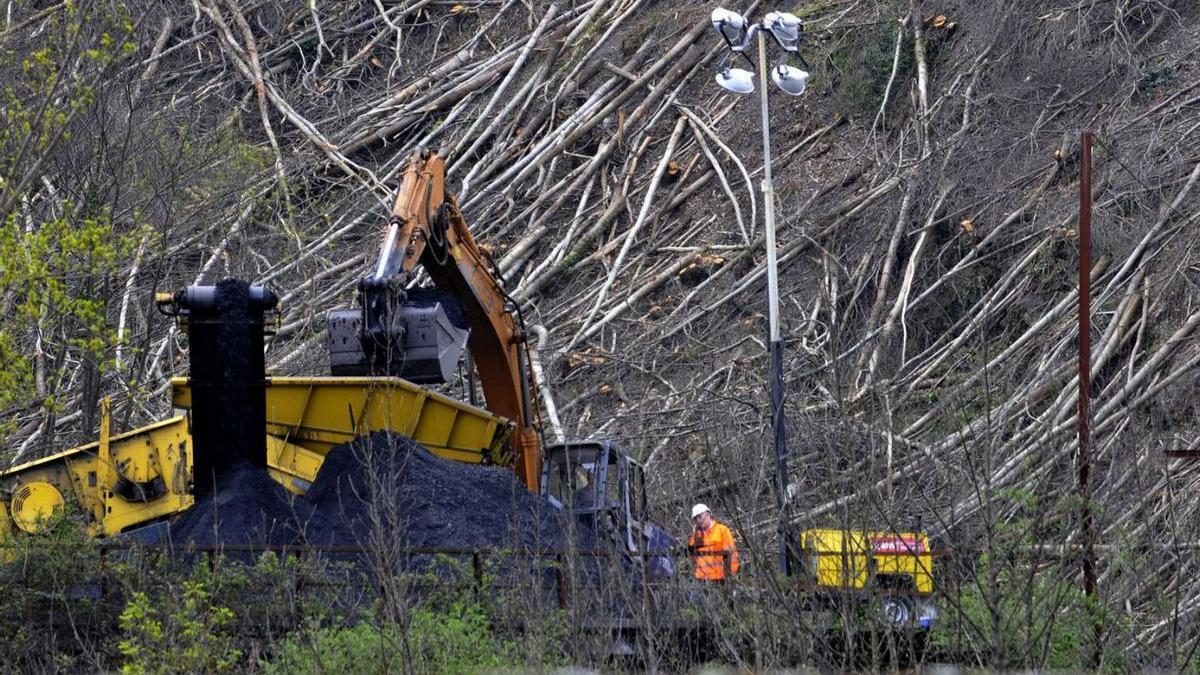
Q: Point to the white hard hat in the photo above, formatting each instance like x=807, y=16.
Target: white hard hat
x=698, y=509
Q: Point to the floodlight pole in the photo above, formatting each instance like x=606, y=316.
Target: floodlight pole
x=776, y=341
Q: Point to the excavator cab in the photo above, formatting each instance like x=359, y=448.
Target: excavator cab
x=605, y=489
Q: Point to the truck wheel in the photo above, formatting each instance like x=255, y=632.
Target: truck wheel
x=896, y=611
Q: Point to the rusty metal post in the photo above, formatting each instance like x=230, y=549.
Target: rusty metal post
x=477, y=568
x=1083, y=461
x=561, y=574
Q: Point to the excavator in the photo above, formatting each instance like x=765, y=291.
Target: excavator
x=400, y=337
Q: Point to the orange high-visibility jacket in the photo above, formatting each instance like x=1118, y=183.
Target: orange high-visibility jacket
x=711, y=548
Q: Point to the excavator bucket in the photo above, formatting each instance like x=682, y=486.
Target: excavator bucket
x=420, y=338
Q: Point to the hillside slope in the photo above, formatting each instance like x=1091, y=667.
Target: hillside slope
x=927, y=195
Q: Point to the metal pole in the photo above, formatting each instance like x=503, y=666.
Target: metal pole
x=1084, y=459
x=776, y=341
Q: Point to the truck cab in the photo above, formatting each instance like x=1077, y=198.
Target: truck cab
x=605, y=489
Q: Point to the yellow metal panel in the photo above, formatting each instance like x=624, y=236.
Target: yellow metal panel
x=847, y=559
x=435, y=423
x=34, y=503
x=840, y=557
x=161, y=449
x=129, y=514
x=461, y=456
x=316, y=414
x=470, y=427
x=293, y=466
x=140, y=432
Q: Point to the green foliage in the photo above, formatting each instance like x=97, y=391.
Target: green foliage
x=1155, y=80
x=361, y=648
x=143, y=612
x=46, y=288
x=261, y=595
x=456, y=628
x=46, y=577
x=179, y=630
x=1024, y=617
x=1017, y=610
x=55, y=252
x=860, y=67
x=456, y=637
x=234, y=162
x=52, y=79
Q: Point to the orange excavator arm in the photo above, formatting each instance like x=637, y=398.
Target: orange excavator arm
x=427, y=228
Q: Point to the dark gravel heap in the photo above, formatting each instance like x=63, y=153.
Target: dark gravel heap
x=421, y=500
x=424, y=500
x=386, y=490
x=247, y=507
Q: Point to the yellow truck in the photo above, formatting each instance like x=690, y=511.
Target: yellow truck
x=897, y=567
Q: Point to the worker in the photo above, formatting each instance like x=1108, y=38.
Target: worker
x=712, y=546
x=585, y=487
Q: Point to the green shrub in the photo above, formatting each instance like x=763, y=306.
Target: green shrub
x=52, y=613
x=860, y=67
x=177, y=632
x=1025, y=618
x=335, y=649
x=457, y=638
x=450, y=638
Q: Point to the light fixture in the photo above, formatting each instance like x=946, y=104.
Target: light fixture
x=738, y=80
x=790, y=80
x=733, y=27
x=785, y=28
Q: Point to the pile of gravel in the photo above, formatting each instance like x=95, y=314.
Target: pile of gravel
x=381, y=488
x=247, y=507
x=388, y=486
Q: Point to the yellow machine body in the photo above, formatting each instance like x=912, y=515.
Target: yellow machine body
x=102, y=480
x=857, y=560
x=113, y=481
x=309, y=416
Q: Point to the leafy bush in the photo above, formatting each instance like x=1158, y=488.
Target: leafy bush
x=177, y=632
x=52, y=612
x=57, y=251
x=1022, y=617
x=335, y=649
x=860, y=67
x=457, y=638
x=451, y=638
x=1015, y=609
